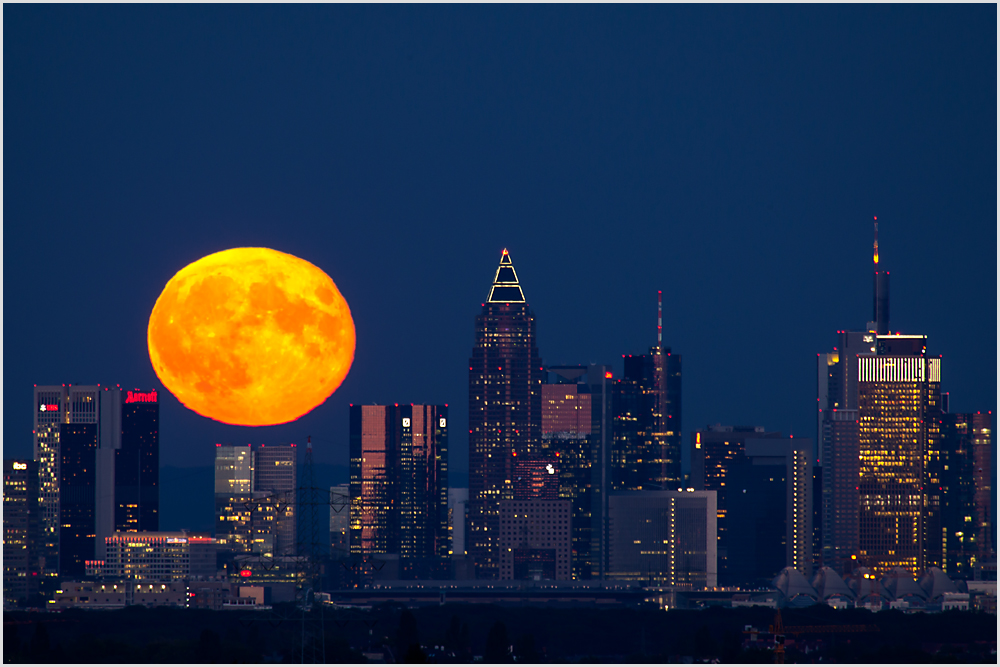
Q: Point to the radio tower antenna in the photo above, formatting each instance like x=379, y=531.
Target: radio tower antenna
x=880, y=312
x=876, y=240
x=659, y=318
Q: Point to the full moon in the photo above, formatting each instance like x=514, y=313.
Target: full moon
x=251, y=336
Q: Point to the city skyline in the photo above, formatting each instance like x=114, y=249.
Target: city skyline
x=756, y=226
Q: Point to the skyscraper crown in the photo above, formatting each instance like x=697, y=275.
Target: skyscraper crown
x=505, y=288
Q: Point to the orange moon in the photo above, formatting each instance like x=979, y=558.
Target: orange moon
x=251, y=336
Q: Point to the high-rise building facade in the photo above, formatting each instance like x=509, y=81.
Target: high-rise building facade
x=899, y=396
x=21, y=531
x=399, y=481
x=535, y=524
x=112, y=478
x=51, y=408
x=663, y=538
x=714, y=451
x=505, y=401
x=982, y=451
x=233, y=497
x=137, y=464
x=839, y=451
x=77, y=497
x=769, y=495
x=255, y=499
x=646, y=454
x=275, y=477
x=958, y=498
x=577, y=424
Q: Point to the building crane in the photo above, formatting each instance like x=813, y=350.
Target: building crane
x=780, y=631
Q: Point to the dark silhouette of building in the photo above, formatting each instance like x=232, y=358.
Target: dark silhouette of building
x=769, y=495
x=21, y=531
x=505, y=379
x=399, y=484
x=77, y=497
x=577, y=425
x=958, y=498
x=137, y=465
x=646, y=454
x=839, y=489
x=714, y=452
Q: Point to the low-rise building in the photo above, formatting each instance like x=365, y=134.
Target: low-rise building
x=155, y=556
x=191, y=594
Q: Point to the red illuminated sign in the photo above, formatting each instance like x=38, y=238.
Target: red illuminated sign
x=246, y=573
x=141, y=397
x=47, y=407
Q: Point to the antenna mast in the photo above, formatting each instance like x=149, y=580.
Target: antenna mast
x=876, y=239
x=659, y=318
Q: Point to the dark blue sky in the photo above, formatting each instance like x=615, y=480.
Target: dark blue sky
x=732, y=156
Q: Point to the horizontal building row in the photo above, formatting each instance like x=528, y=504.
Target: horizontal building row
x=897, y=589
x=107, y=594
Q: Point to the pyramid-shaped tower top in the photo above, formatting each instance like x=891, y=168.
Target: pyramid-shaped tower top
x=505, y=288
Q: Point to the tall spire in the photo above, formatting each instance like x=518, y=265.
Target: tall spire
x=505, y=288
x=659, y=318
x=880, y=310
x=876, y=242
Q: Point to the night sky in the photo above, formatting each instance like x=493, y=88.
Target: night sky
x=732, y=156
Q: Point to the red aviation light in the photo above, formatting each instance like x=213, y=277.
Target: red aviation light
x=246, y=573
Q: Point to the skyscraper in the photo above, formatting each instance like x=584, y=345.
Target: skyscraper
x=839, y=452
x=576, y=424
x=535, y=524
x=982, y=448
x=899, y=421
x=255, y=499
x=769, y=497
x=399, y=482
x=646, y=454
x=958, y=499
x=276, y=475
x=663, y=538
x=137, y=464
x=77, y=497
x=715, y=451
x=98, y=454
x=21, y=531
x=51, y=408
x=505, y=378
x=233, y=497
